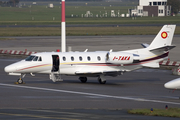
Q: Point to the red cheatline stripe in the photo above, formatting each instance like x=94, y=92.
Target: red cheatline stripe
x=63, y=12
x=34, y=67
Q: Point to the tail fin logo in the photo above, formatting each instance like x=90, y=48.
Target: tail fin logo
x=164, y=35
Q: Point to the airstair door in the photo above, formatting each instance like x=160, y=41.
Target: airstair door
x=55, y=61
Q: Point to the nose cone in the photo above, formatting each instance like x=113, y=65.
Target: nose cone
x=174, y=84
x=168, y=85
x=10, y=68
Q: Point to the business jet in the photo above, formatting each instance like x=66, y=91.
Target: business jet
x=173, y=84
x=96, y=64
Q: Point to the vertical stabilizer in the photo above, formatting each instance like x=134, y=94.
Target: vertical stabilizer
x=163, y=38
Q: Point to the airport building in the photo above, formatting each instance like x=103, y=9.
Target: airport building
x=152, y=8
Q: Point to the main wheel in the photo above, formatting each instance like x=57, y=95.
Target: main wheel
x=83, y=79
x=101, y=82
x=20, y=81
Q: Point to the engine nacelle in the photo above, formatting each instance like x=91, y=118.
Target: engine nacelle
x=122, y=58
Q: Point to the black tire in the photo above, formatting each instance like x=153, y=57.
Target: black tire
x=83, y=79
x=20, y=81
x=101, y=82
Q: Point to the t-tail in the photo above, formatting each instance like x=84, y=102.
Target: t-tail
x=160, y=46
x=163, y=40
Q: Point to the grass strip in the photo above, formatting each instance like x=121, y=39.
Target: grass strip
x=81, y=31
x=171, y=112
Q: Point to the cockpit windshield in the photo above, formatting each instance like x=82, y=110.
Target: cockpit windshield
x=29, y=58
x=33, y=58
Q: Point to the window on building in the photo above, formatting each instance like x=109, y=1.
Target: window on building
x=154, y=3
x=163, y=3
x=64, y=58
x=140, y=11
x=89, y=58
x=159, y=3
x=80, y=58
x=72, y=58
x=160, y=11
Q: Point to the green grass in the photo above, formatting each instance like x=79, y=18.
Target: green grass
x=171, y=112
x=42, y=15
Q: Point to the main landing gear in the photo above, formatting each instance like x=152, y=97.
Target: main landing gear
x=101, y=79
x=83, y=79
x=20, y=80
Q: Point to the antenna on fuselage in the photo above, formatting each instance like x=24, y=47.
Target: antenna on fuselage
x=63, y=27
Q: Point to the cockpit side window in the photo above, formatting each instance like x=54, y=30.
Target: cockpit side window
x=40, y=59
x=35, y=58
x=29, y=58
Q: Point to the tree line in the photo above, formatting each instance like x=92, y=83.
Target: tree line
x=9, y=3
x=175, y=6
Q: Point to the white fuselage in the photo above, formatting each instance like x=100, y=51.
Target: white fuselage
x=86, y=63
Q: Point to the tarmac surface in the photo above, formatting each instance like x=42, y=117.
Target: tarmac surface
x=40, y=98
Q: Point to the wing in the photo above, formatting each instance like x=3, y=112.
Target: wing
x=97, y=73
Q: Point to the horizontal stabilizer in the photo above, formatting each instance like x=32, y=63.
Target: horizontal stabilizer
x=165, y=48
x=145, y=45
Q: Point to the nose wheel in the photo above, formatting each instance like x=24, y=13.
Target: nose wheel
x=20, y=80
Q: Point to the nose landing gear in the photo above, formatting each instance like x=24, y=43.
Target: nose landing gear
x=20, y=80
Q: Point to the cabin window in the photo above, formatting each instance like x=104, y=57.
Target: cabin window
x=89, y=58
x=80, y=58
x=99, y=58
x=64, y=58
x=40, y=59
x=29, y=58
x=72, y=58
